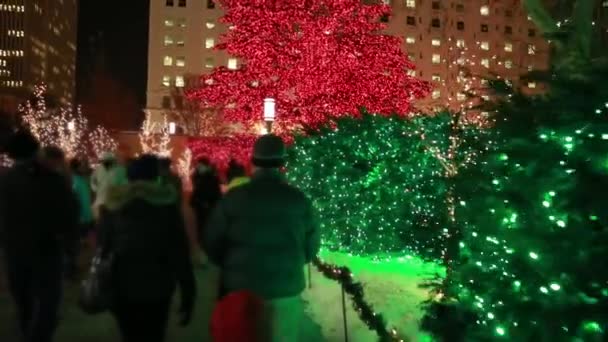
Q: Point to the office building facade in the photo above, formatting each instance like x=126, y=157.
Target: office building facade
x=37, y=45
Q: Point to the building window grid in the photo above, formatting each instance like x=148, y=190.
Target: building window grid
x=209, y=43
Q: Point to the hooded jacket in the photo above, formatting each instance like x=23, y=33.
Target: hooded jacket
x=261, y=235
x=142, y=226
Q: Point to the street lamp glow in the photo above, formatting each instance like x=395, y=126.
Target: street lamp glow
x=269, y=109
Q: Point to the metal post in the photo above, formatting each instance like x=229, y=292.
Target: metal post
x=269, y=127
x=309, y=277
x=344, y=314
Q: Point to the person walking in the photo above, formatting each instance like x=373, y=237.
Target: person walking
x=205, y=195
x=236, y=175
x=261, y=235
x=109, y=173
x=38, y=215
x=142, y=226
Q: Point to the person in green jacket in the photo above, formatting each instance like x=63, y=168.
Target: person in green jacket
x=236, y=175
x=261, y=235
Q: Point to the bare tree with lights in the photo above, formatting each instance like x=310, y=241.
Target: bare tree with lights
x=155, y=137
x=100, y=142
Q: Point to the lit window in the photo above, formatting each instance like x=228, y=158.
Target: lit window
x=436, y=78
x=179, y=81
x=209, y=43
x=436, y=94
x=460, y=43
x=166, y=81
x=209, y=63
x=436, y=42
x=180, y=42
x=169, y=23
x=232, y=64
x=410, y=3
x=461, y=97
x=485, y=46
x=168, y=40
x=181, y=22
x=411, y=73
x=180, y=61
x=485, y=97
x=485, y=10
x=460, y=61
x=485, y=62
x=436, y=58
x=410, y=40
x=531, y=85
x=210, y=25
x=509, y=47
x=168, y=61
x=508, y=64
x=530, y=67
x=531, y=49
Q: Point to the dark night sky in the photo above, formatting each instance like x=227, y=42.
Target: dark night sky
x=124, y=27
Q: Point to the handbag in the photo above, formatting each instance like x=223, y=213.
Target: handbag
x=96, y=289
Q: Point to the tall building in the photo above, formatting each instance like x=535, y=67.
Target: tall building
x=459, y=44
x=182, y=36
x=37, y=44
x=455, y=45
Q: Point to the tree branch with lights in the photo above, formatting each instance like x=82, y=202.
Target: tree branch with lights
x=289, y=51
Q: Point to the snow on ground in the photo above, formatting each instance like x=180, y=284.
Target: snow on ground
x=391, y=287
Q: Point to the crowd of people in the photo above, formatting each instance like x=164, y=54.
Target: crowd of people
x=259, y=231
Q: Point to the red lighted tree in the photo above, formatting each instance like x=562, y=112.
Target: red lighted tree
x=319, y=59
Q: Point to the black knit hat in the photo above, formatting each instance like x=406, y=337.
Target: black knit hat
x=269, y=152
x=22, y=145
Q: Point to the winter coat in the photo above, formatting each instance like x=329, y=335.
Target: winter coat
x=261, y=235
x=38, y=214
x=83, y=193
x=237, y=182
x=142, y=226
x=207, y=192
x=103, y=179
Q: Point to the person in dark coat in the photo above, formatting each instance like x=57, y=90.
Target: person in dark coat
x=168, y=176
x=206, y=193
x=142, y=226
x=261, y=235
x=38, y=217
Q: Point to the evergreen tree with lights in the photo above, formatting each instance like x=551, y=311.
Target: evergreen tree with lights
x=534, y=220
x=320, y=60
x=379, y=183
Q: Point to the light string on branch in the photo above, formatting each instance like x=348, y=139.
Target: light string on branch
x=372, y=319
